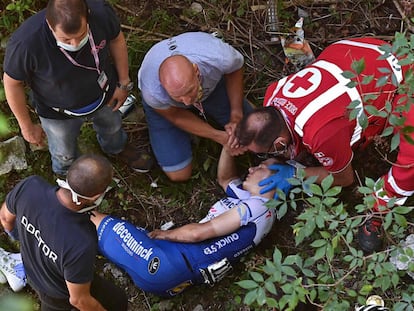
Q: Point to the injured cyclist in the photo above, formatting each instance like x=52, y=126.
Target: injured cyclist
x=165, y=262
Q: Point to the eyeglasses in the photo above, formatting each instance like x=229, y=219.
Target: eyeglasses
x=273, y=152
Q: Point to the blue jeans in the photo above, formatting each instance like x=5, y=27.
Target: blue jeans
x=171, y=145
x=63, y=136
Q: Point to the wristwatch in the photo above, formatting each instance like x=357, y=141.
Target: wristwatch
x=127, y=87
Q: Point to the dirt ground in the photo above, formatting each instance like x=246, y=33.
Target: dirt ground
x=243, y=24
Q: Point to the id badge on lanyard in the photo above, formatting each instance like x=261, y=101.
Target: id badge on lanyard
x=102, y=78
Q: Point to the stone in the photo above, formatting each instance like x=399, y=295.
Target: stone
x=12, y=155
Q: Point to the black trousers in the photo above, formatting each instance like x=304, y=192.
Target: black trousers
x=111, y=297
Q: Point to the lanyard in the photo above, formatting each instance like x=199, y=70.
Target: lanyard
x=200, y=109
x=93, y=51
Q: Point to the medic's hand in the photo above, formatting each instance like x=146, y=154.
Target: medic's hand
x=279, y=179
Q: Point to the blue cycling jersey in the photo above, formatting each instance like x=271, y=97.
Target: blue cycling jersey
x=166, y=268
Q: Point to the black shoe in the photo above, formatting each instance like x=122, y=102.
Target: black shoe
x=370, y=236
x=138, y=161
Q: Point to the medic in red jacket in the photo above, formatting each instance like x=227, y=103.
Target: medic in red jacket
x=312, y=114
x=314, y=103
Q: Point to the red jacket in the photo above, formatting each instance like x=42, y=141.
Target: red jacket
x=314, y=102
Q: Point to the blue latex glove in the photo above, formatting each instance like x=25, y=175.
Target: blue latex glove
x=279, y=179
x=14, y=234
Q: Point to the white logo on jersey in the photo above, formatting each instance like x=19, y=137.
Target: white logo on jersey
x=302, y=83
x=223, y=242
x=130, y=244
x=325, y=161
x=30, y=228
x=287, y=104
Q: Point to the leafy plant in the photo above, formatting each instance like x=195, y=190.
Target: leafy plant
x=327, y=268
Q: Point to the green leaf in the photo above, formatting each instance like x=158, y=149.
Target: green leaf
x=11, y=7
x=372, y=110
x=351, y=84
x=247, y=284
x=365, y=190
x=396, y=121
x=348, y=258
x=327, y=182
x=348, y=74
x=401, y=209
x=320, y=221
x=318, y=243
x=382, y=81
x=401, y=220
x=282, y=210
x=292, y=259
x=330, y=252
x=271, y=302
x=354, y=104
x=277, y=256
x=257, y=277
x=366, y=289
x=356, y=222
x=394, y=80
x=283, y=301
x=404, y=62
x=288, y=270
x=387, y=131
x=315, y=189
x=333, y=191
x=363, y=120
x=358, y=65
x=270, y=287
x=354, y=114
x=329, y=201
x=395, y=279
x=325, y=234
x=309, y=273
x=335, y=241
x=269, y=267
x=314, y=201
x=320, y=252
x=206, y=164
x=308, y=262
x=384, y=70
x=351, y=293
x=261, y=296
x=250, y=297
x=287, y=288
x=395, y=142
x=349, y=237
x=367, y=79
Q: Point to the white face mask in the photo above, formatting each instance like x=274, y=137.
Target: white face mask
x=72, y=48
x=75, y=196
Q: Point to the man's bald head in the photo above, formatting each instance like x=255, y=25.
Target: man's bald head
x=178, y=76
x=90, y=175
